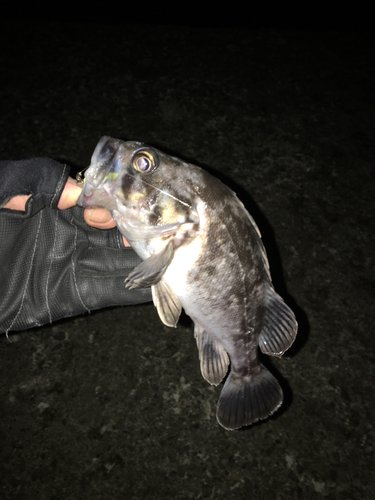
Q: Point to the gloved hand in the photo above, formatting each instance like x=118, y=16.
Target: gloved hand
x=52, y=263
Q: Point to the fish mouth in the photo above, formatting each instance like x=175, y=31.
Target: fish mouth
x=86, y=195
x=85, y=200
x=88, y=200
x=94, y=197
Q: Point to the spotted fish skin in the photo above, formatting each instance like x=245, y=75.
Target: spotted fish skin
x=202, y=251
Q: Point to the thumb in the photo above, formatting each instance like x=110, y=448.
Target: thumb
x=70, y=194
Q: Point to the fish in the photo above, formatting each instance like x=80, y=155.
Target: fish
x=202, y=251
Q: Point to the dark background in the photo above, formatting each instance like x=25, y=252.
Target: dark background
x=288, y=14
x=280, y=104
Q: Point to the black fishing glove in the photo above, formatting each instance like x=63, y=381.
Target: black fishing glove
x=52, y=264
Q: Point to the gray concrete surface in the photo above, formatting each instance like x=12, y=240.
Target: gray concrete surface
x=112, y=405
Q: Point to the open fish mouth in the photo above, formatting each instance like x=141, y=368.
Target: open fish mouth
x=104, y=161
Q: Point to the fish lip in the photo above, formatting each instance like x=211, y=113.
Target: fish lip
x=88, y=198
x=85, y=199
x=85, y=195
x=81, y=199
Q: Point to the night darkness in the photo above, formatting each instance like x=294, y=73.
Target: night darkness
x=278, y=103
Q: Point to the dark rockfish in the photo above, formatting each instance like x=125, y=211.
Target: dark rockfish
x=202, y=251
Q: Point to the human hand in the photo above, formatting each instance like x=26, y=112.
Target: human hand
x=96, y=217
x=54, y=263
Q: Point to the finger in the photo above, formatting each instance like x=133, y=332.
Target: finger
x=17, y=202
x=126, y=243
x=69, y=195
x=99, y=217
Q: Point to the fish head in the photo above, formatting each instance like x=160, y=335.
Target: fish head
x=142, y=187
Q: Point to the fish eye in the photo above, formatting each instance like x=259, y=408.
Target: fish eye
x=145, y=161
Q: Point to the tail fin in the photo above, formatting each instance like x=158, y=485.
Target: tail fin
x=245, y=400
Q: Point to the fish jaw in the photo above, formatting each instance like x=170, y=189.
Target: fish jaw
x=96, y=197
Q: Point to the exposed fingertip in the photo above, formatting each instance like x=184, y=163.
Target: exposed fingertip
x=99, y=217
x=126, y=243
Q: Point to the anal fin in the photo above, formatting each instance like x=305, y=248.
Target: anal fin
x=279, y=327
x=214, y=359
x=167, y=303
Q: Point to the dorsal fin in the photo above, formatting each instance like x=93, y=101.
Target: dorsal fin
x=279, y=325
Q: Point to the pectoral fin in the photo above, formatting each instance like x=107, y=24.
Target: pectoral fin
x=213, y=357
x=167, y=303
x=149, y=272
x=280, y=325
